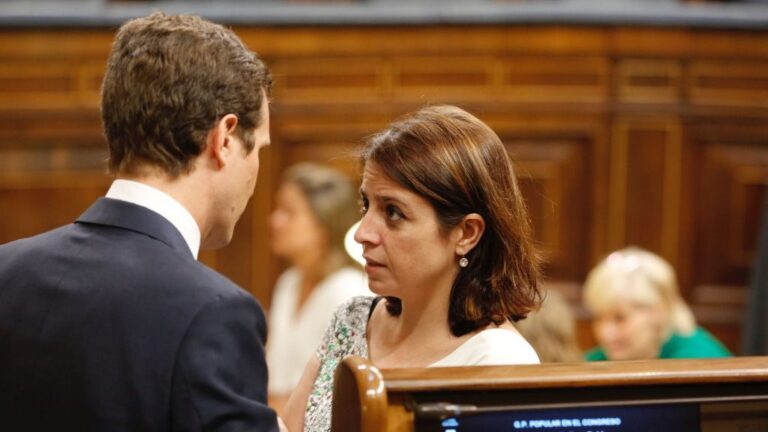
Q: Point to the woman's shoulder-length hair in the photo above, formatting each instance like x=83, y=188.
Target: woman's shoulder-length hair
x=460, y=166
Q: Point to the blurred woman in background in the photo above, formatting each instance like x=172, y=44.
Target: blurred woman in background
x=315, y=207
x=638, y=312
x=551, y=330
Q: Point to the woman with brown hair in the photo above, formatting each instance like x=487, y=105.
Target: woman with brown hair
x=448, y=250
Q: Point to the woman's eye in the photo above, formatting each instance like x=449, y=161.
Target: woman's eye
x=363, y=206
x=393, y=213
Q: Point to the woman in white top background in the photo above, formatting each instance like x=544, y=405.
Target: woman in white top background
x=448, y=249
x=315, y=207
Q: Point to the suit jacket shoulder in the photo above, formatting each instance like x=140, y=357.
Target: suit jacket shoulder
x=114, y=325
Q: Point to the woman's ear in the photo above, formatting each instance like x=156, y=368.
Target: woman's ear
x=220, y=143
x=469, y=232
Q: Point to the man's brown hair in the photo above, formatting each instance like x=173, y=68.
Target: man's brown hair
x=459, y=165
x=168, y=80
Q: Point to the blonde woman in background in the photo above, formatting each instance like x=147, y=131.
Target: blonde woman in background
x=315, y=207
x=638, y=312
x=551, y=330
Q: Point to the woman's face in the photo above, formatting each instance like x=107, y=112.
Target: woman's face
x=628, y=331
x=295, y=229
x=406, y=253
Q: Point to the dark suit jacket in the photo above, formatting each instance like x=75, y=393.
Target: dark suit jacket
x=111, y=324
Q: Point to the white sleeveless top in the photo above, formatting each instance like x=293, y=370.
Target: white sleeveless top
x=293, y=337
x=491, y=347
x=346, y=336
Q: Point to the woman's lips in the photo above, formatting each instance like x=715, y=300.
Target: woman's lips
x=372, y=265
x=371, y=261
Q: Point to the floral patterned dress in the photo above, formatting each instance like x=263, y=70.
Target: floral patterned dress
x=345, y=337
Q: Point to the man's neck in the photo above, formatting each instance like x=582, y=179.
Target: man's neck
x=187, y=190
x=160, y=202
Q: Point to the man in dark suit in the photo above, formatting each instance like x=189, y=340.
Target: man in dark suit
x=111, y=323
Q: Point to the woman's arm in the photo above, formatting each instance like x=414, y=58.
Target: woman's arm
x=297, y=403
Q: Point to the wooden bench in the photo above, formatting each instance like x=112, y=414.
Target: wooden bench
x=722, y=394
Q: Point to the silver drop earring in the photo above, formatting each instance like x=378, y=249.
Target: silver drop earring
x=463, y=262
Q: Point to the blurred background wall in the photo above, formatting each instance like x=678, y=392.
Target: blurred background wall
x=640, y=123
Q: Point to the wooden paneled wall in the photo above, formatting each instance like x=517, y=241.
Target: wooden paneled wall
x=656, y=137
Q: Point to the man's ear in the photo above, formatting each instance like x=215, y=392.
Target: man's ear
x=221, y=140
x=469, y=232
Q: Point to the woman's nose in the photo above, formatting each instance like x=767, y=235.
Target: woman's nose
x=365, y=231
x=271, y=220
x=275, y=219
x=608, y=332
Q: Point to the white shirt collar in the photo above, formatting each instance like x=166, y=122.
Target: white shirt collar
x=161, y=203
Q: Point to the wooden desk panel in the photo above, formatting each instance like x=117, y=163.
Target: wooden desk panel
x=367, y=399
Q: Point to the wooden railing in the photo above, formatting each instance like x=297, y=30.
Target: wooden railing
x=728, y=393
